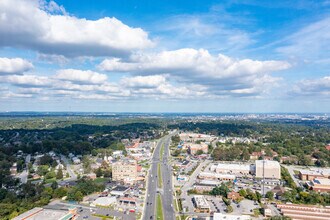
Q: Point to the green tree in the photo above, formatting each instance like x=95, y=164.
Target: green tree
x=78, y=196
x=229, y=209
x=98, y=172
x=59, y=174
x=242, y=192
x=50, y=175
x=54, y=185
x=60, y=192
x=269, y=195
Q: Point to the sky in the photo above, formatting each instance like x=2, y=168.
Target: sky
x=165, y=56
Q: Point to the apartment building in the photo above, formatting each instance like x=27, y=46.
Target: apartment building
x=125, y=170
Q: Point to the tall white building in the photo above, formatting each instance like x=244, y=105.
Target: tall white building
x=270, y=168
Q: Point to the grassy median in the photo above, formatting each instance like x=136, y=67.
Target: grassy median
x=160, y=215
x=161, y=153
x=160, y=179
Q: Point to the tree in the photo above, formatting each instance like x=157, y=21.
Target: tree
x=226, y=201
x=258, y=196
x=269, y=195
x=98, y=172
x=229, y=209
x=60, y=192
x=220, y=190
x=242, y=192
x=199, y=152
x=54, y=185
x=86, y=164
x=245, y=154
x=42, y=170
x=107, y=173
x=50, y=175
x=78, y=196
x=59, y=174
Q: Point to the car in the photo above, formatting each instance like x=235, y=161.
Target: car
x=107, y=215
x=85, y=217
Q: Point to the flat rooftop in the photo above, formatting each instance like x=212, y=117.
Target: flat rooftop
x=201, y=202
x=268, y=163
x=41, y=213
x=120, y=188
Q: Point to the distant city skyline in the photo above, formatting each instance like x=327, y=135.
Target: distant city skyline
x=232, y=56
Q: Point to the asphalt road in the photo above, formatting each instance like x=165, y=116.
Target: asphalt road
x=167, y=188
x=150, y=203
x=65, y=160
x=167, y=193
x=24, y=175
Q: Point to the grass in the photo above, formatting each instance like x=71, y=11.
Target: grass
x=175, y=205
x=180, y=205
x=161, y=153
x=101, y=180
x=160, y=179
x=160, y=215
x=103, y=216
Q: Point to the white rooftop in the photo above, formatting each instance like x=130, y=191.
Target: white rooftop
x=221, y=216
x=201, y=201
x=268, y=163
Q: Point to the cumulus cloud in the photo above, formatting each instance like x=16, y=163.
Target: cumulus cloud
x=26, y=80
x=14, y=66
x=144, y=81
x=29, y=24
x=222, y=74
x=81, y=76
x=319, y=87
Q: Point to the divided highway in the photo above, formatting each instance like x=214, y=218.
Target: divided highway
x=167, y=191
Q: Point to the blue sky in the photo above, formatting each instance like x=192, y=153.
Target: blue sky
x=165, y=56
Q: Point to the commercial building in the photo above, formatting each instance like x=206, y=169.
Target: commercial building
x=304, y=212
x=119, y=191
x=201, y=204
x=195, y=148
x=216, y=176
x=125, y=170
x=104, y=201
x=193, y=137
x=49, y=214
x=244, y=169
x=222, y=216
x=268, y=168
x=314, y=173
x=320, y=185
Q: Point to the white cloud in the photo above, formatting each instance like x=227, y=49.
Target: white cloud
x=14, y=66
x=319, y=87
x=215, y=30
x=81, y=76
x=144, y=81
x=26, y=80
x=28, y=24
x=311, y=42
x=222, y=74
